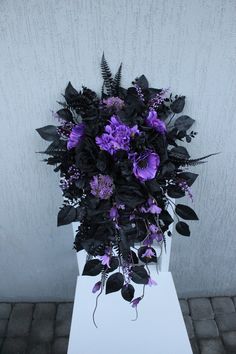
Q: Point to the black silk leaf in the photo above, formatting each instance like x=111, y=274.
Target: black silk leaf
x=92, y=267
x=49, y=132
x=66, y=215
x=178, y=105
x=139, y=275
x=179, y=152
x=65, y=114
x=183, y=123
x=71, y=94
x=127, y=292
x=175, y=191
x=189, y=177
x=114, y=283
x=142, y=82
x=185, y=212
x=182, y=228
x=114, y=263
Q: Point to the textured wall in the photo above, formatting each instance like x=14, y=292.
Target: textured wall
x=187, y=45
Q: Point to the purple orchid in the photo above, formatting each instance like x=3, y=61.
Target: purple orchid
x=145, y=165
x=151, y=282
x=148, y=253
x=97, y=287
x=102, y=186
x=136, y=301
x=105, y=259
x=75, y=136
x=116, y=137
x=154, y=122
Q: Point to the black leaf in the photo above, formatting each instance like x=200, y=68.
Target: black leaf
x=145, y=259
x=189, y=177
x=182, y=228
x=185, y=212
x=49, y=132
x=71, y=94
x=114, y=263
x=92, y=267
x=139, y=275
x=127, y=292
x=114, y=283
x=178, y=105
x=65, y=114
x=142, y=82
x=179, y=152
x=66, y=215
x=174, y=191
x=134, y=258
x=183, y=123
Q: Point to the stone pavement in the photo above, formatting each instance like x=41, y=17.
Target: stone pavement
x=43, y=328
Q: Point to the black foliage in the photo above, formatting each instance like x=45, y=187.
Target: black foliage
x=114, y=283
x=92, y=267
x=182, y=228
x=127, y=292
x=112, y=225
x=185, y=212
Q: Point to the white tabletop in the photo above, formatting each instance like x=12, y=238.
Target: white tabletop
x=159, y=329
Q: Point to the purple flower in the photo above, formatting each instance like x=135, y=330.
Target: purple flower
x=145, y=166
x=114, y=213
x=75, y=136
x=97, y=287
x=153, y=208
x=102, y=186
x=136, y=301
x=105, y=259
x=114, y=102
x=154, y=122
x=151, y=282
x=116, y=137
x=148, y=253
x=153, y=228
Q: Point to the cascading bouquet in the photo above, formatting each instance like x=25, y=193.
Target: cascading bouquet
x=120, y=166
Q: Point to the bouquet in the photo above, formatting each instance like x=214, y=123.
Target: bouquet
x=122, y=163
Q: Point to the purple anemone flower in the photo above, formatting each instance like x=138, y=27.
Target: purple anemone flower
x=102, y=186
x=116, y=137
x=145, y=166
x=97, y=287
x=154, y=122
x=148, y=253
x=75, y=136
x=136, y=301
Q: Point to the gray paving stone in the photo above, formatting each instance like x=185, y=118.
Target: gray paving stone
x=63, y=320
x=3, y=327
x=20, y=320
x=194, y=346
x=184, y=306
x=201, y=309
x=14, y=346
x=212, y=346
x=42, y=331
x=45, y=311
x=226, y=322
x=189, y=326
x=64, y=311
x=40, y=349
x=5, y=310
x=222, y=304
x=60, y=346
x=229, y=340
x=206, y=329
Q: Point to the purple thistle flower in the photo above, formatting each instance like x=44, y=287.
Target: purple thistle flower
x=154, y=122
x=148, y=253
x=75, y=136
x=97, y=287
x=102, y=186
x=136, y=301
x=116, y=137
x=151, y=282
x=114, y=102
x=145, y=166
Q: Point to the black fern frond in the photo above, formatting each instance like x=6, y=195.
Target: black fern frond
x=117, y=80
x=164, y=241
x=55, y=148
x=107, y=76
x=192, y=162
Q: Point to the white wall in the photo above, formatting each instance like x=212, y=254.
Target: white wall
x=187, y=45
